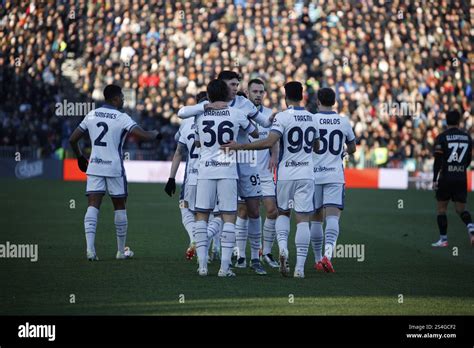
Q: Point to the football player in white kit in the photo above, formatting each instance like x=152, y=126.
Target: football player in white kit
x=247, y=191
x=334, y=131
x=108, y=127
x=217, y=175
x=186, y=141
x=266, y=160
x=298, y=134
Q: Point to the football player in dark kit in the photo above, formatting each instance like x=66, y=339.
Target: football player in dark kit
x=453, y=155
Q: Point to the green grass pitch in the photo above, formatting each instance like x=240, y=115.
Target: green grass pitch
x=398, y=260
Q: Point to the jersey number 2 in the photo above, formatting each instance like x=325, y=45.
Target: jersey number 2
x=98, y=141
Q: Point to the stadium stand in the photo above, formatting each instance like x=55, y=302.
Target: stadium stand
x=397, y=66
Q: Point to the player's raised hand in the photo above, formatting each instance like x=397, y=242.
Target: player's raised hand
x=83, y=163
x=232, y=145
x=216, y=105
x=170, y=187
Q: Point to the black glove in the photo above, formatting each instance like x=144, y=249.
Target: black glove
x=82, y=162
x=170, y=187
x=159, y=136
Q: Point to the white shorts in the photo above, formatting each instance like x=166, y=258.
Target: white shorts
x=296, y=194
x=329, y=195
x=268, y=187
x=190, y=196
x=115, y=186
x=211, y=191
x=249, y=186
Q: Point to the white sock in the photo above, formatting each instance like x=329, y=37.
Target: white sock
x=282, y=227
x=90, y=226
x=317, y=239
x=213, y=229
x=255, y=234
x=331, y=234
x=227, y=243
x=302, y=240
x=241, y=231
x=187, y=218
x=268, y=235
x=200, y=238
x=217, y=237
x=121, y=226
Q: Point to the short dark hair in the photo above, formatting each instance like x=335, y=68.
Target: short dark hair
x=201, y=96
x=257, y=81
x=453, y=117
x=228, y=75
x=217, y=90
x=327, y=96
x=112, y=91
x=294, y=90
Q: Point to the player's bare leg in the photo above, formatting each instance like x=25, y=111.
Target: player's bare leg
x=466, y=218
x=269, y=232
x=200, y=238
x=227, y=244
x=121, y=228
x=331, y=234
x=317, y=237
x=441, y=208
x=94, y=201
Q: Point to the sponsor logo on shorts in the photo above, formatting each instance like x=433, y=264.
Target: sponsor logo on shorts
x=98, y=160
x=324, y=169
x=296, y=164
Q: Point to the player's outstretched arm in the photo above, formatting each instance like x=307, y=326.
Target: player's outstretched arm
x=266, y=143
x=82, y=161
x=263, y=121
x=170, y=187
x=144, y=135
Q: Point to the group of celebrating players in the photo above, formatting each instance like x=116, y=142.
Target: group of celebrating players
x=238, y=154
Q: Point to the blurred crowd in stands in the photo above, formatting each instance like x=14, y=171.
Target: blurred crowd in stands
x=397, y=66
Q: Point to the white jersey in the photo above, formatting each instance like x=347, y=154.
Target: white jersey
x=108, y=128
x=298, y=130
x=187, y=135
x=215, y=128
x=263, y=156
x=334, y=131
